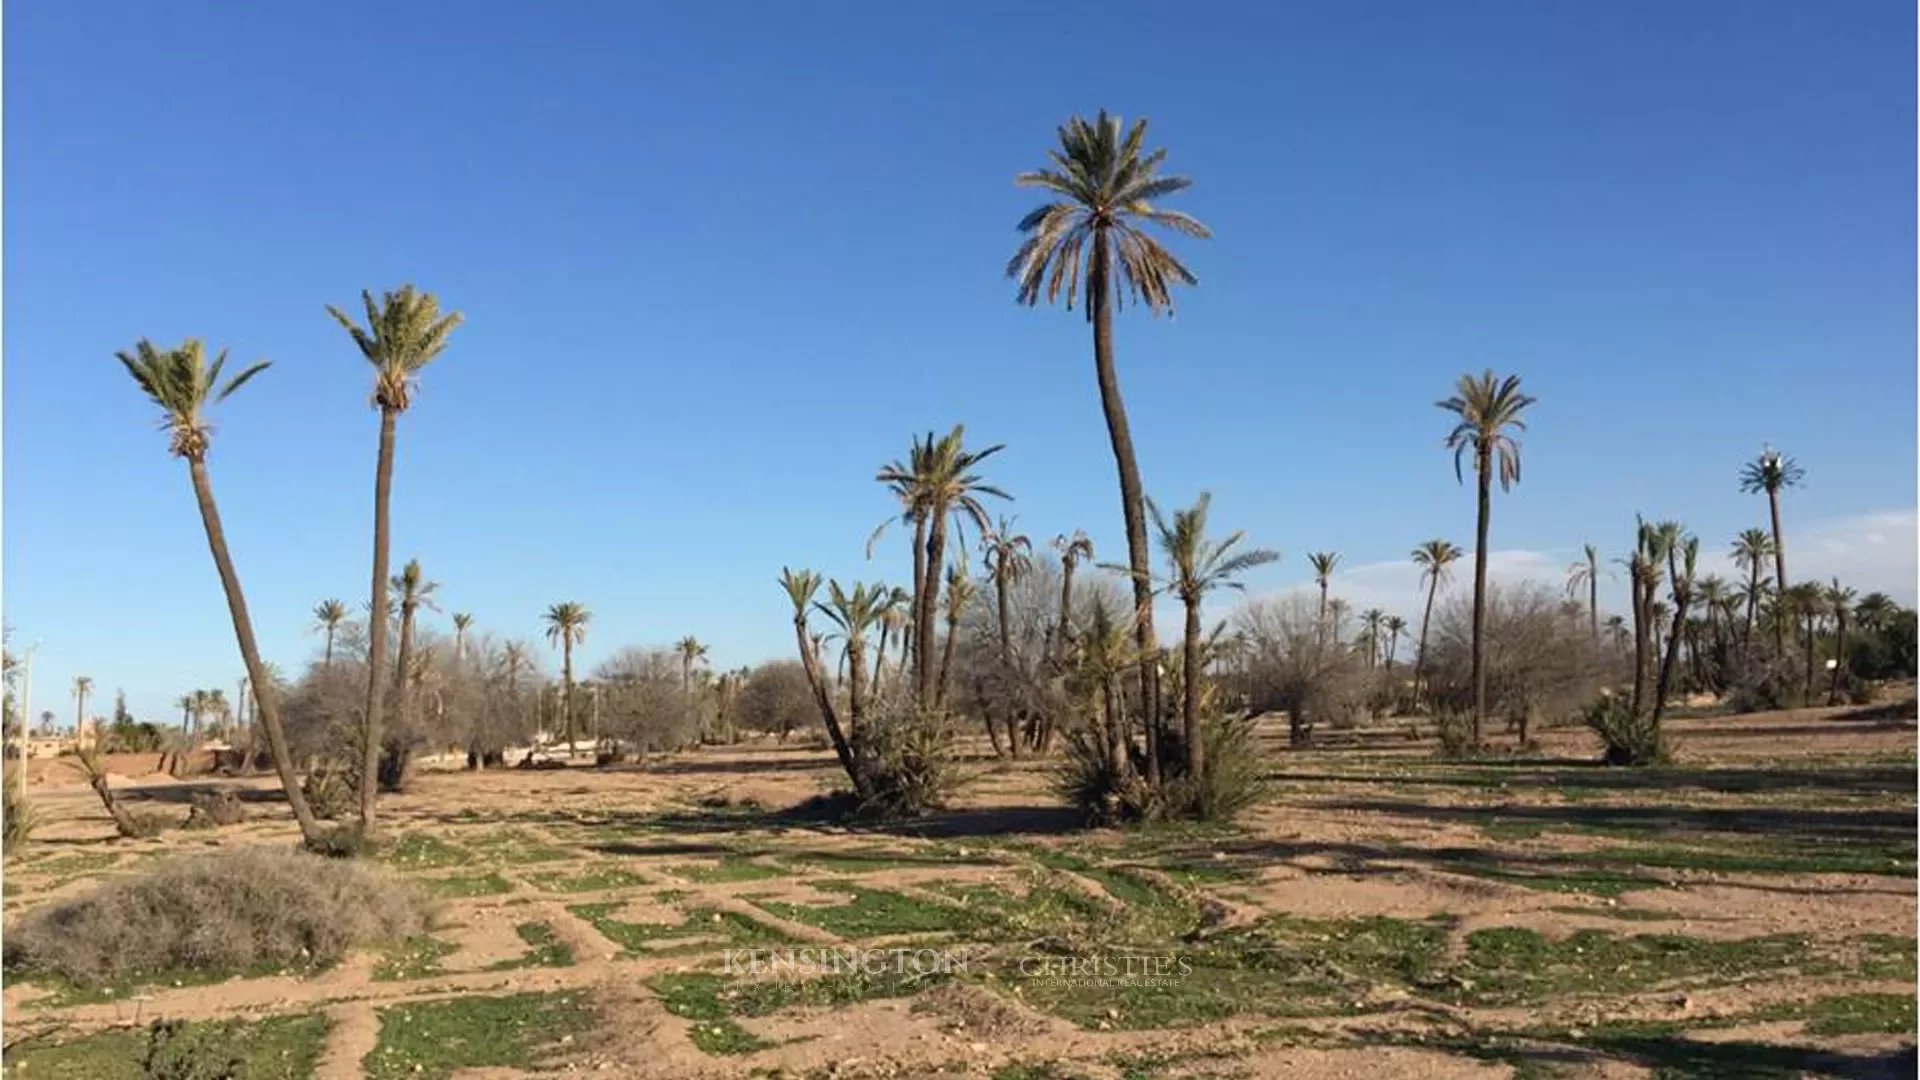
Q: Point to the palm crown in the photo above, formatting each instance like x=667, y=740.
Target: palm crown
x=1770, y=472
x=1196, y=565
x=1107, y=189
x=414, y=588
x=183, y=384
x=1487, y=407
x=1008, y=555
x=1323, y=563
x=404, y=332
x=1434, y=557
x=567, y=623
x=329, y=614
x=939, y=476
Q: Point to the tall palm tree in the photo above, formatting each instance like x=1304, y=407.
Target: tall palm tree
x=1716, y=600
x=906, y=481
x=1072, y=550
x=404, y=333
x=415, y=592
x=184, y=385
x=1008, y=557
x=855, y=612
x=1839, y=603
x=567, y=627
x=462, y=622
x=960, y=593
x=691, y=652
x=1373, y=622
x=1682, y=584
x=1770, y=472
x=1105, y=189
x=1488, y=407
x=1195, y=567
x=1585, y=575
x=1435, y=559
x=328, y=616
x=1323, y=563
x=82, y=689
x=945, y=485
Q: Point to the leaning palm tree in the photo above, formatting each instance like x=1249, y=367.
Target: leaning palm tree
x=1585, y=575
x=328, y=616
x=567, y=627
x=183, y=384
x=801, y=587
x=1434, y=558
x=1008, y=557
x=1770, y=472
x=1683, y=586
x=1323, y=563
x=1105, y=186
x=404, y=333
x=1197, y=566
x=1488, y=407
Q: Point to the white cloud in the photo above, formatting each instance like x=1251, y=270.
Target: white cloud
x=1869, y=552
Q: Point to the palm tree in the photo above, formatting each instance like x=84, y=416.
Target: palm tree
x=691, y=652
x=567, y=627
x=1809, y=601
x=1072, y=550
x=1874, y=611
x=942, y=482
x=801, y=587
x=1770, y=472
x=184, y=385
x=82, y=689
x=1323, y=563
x=906, y=482
x=1105, y=192
x=855, y=612
x=1195, y=567
x=328, y=615
x=1372, y=622
x=404, y=333
x=960, y=593
x=185, y=703
x=1395, y=627
x=462, y=622
x=1682, y=583
x=415, y=592
x=1716, y=598
x=1586, y=575
x=1434, y=558
x=1487, y=407
x=1839, y=602
x=893, y=620
x=1008, y=557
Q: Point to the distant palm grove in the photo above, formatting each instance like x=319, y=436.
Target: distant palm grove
x=1011, y=636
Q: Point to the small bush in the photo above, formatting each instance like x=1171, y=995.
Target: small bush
x=177, y=1052
x=1233, y=782
x=1086, y=779
x=910, y=765
x=230, y=912
x=212, y=809
x=20, y=819
x=1234, y=779
x=331, y=790
x=142, y=824
x=1765, y=686
x=1455, y=730
x=1628, y=738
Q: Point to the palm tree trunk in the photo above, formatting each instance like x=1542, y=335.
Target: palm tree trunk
x=1779, y=571
x=1064, y=631
x=329, y=660
x=1132, y=498
x=936, y=558
x=1593, y=600
x=377, y=624
x=1485, y=464
x=1639, y=638
x=1426, y=617
x=1190, y=694
x=946, y=663
x=911, y=641
x=1753, y=602
x=880, y=658
x=566, y=692
x=1320, y=624
x=1680, y=603
x=1839, y=656
x=1807, y=694
x=816, y=680
x=265, y=700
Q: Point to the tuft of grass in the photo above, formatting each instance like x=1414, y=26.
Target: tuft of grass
x=433, y=1039
x=418, y=957
x=874, y=913
x=544, y=949
x=594, y=879
x=461, y=886
x=696, y=998
x=277, y=1048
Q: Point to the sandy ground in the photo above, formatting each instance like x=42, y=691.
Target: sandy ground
x=1352, y=831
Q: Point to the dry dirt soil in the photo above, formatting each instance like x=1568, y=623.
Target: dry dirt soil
x=1749, y=911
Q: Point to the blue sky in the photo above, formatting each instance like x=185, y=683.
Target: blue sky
x=720, y=261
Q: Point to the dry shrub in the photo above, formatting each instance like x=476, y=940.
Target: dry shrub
x=229, y=912
x=212, y=809
x=1629, y=738
x=331, y=789
x=19, y=815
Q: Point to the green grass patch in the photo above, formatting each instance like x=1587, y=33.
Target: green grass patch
x=277, y=1048
x=702, y=924
x=461, y=886
x=544, y=949
x=696, y=998
x=1622, y=913
x=63, y=993
x=425, y=851
x=71, y=866
x=874, y=913
x=1860, y=1014
x=415, y=958
x=1513, y=965
x=432, y=1039
x=729, y=868
x=593, y=879
x=873, y=860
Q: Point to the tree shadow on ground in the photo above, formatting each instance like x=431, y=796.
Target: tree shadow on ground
x=1561, y=775
x=1805, y=823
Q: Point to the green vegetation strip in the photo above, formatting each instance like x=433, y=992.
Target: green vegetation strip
x=278, y=1048
x=433, y=1039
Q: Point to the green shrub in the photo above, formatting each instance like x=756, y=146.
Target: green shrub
x=1234, y=779
x=1629, y=738
x=332, y=790
x=176, y=1052
x=1087, y=779
x=230, y=912
x=20, y=819
x=909, y=765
